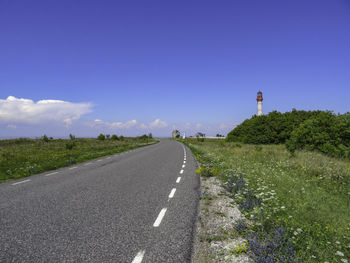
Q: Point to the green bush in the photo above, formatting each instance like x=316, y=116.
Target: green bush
x=327, y=133
x=114, y=137
x=101, y=137
x=45, y=138
x=273, y=128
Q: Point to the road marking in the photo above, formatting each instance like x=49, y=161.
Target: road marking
x=178, y=180
x=108, y=157
x=21, y=182
x=183, y=166
x=139, y=256
x=72, y=168
x=181, y=172
x=51, y=174
x=160, y=217
x=87, y=164
x=172, y=193
x=184, y=161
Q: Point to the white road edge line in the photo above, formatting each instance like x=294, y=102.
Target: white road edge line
x=178, y=180
x=21, y=182
x=139, y=256
x=181, y=172
x=99, y=160
x=51, y=173
x=72, y=168
x=108, y=158
x=87, y=164
x=172, y=193
x=160, y=217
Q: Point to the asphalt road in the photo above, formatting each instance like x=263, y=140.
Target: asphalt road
x=119, y=208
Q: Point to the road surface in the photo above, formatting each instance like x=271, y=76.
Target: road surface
x=137, y=206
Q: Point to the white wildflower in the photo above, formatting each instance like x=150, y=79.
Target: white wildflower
x=340, y=254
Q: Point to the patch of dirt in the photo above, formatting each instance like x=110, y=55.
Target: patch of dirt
x=216, y=239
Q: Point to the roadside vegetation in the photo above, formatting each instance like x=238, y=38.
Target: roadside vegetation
x=297, y=205
x=24, y=157
x=322, y=131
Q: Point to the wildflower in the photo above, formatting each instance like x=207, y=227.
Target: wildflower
x=283, y=207
x=337, y=242
x=338, y=253
x=344, y=260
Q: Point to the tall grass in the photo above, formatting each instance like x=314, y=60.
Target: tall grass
x=308, y=194
x=24, y=157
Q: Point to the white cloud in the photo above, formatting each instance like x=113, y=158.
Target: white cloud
x=143, y=126
x=116, y=125
x=15, y=110
x=11, y=126
x=157, y=123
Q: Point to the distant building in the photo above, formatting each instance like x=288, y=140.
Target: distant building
x=259, y=99
x=200, y=135
x=175, y=134
x=184, y=136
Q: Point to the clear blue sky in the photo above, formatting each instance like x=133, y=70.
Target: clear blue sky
x=194, y=65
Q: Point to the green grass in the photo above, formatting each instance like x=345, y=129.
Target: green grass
x=24, y=157
x=308, y=193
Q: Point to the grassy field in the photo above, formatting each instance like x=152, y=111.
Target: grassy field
x=298, y=206
x=24, y=157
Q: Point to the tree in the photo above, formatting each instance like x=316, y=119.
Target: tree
x=101, y=137
x=114, y=137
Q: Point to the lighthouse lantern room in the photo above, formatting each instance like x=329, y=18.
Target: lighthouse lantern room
x=259, y=99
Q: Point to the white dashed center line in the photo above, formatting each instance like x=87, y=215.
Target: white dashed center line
x=160, y=217
x=72, y=168
x=108, y=158
x=172, y=193
x=21, y=182
x=181, y=172
x=139, y=256
x=87, y=164
x=51, y=174
x=185, y=161
x=178, y=180
x=99, y=160
x=183, y=166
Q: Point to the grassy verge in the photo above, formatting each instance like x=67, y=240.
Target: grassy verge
x=24, y=157
x=299, y=206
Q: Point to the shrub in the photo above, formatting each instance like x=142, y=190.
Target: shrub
x=327, y=133
x=121, y=137
x=108, y=136
x=150, y=136
x=72, y=137
x=45, y=138
x=70, y=145
x=114, y=137
x=101, y=137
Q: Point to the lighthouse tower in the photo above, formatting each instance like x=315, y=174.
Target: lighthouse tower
x=259, y=99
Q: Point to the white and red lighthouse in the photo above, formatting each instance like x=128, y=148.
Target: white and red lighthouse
x=259, y=99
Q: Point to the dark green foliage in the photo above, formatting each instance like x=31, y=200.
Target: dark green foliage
x=273, y=128
x=72, y=137
x=312, y=130
x=108, y=136
x=327, y=133
x=121, y=137
x=70, y=145
x=114, y=137
x=143, y=137
x=45, y=138
x=101, y=137
x=150, y=136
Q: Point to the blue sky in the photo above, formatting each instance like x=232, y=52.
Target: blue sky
x=133, y=67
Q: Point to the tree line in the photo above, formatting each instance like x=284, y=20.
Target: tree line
x=323, y=131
